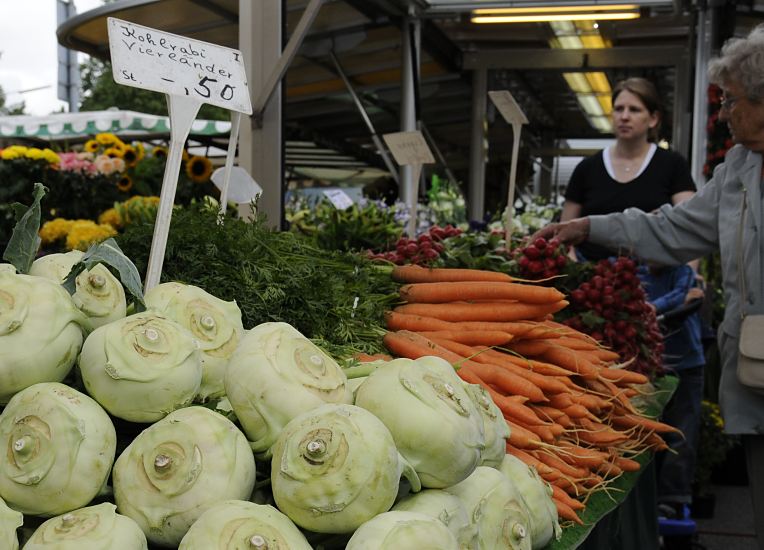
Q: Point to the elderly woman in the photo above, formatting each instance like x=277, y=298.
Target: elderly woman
x=727, y=214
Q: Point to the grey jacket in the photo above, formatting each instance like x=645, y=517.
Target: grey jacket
x=709, y=221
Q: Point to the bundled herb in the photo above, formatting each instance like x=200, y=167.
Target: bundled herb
x=336, y=298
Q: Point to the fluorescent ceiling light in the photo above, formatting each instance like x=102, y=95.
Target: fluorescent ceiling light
x=577, y=82
x=556, y=9
x=598, y=82
x=542, y=17
x=590, y=105
x=601, y=123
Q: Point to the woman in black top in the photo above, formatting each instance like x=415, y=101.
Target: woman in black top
x=632, y=173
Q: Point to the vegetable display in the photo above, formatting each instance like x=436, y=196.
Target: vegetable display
x=277, y=374
x=403, y=531
x=55, y=266
x=10, y=520
x=215, y=324
x=99, y=296
x=92, y=528
x=58, y=447
x=335, y=468
x=429, y=391
x=142, y=367
x=497, y=507
x=242, y=524
x=447, y=508
x=41, y=332
x=179, y=467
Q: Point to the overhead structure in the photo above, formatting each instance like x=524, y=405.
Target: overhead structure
x=560, y=74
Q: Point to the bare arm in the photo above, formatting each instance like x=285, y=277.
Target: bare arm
x=570, y=211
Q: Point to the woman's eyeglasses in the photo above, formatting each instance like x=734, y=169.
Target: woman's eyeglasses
x=728, y=102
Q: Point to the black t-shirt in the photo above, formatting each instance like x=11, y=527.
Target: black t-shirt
x=592, y=187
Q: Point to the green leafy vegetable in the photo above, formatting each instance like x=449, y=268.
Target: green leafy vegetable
x=109, y=253
x=25, y=241
x=336, y=299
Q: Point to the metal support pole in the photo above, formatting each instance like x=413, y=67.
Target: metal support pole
x=700, y=108
x=478, y=145
x=681, y=141
x=408, y=187
x=261, y=146
x=438, y=154
x=369, y=125
x=285, y=59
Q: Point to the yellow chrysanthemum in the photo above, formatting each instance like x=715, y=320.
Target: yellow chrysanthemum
x=13, y=152
x=55, y=230
x=125, y=183
x=130, y=155
x=91, y=146
x=51, y=156
x=114, y=152
x=106, y=138
x=199, y=169
x=110, y=217
x=33, y=153
x=85, y=233
x=159, y=151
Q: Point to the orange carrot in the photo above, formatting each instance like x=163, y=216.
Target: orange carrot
x=631, y=420
x=566, y=512
x=470, y=338
x=522, y=438
x=417, y=274
x=609, y=469
x=626, y=464
x=623, y=376
x=416, y=323
x=556, y=462
x=568, y=359
x=488, y=311
x=562, y=496
x=532, y=461
x=444, y=292
x=509, y=383
x=577, y=455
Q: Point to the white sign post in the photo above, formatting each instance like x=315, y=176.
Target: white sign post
x=512, y=113
x=410, y=149
x=191, y=73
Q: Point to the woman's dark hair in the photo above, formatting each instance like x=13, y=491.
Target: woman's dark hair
x=648, y=95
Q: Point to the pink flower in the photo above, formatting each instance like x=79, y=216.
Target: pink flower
x=72, y=162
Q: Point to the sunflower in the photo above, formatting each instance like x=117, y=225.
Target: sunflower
x=140, y=150
x=106, y=139
x=130, y=156
x=125, y=183
x=199, y=169
x=91, y=146
x=185, y=156
x=114, y=152
x=159, y=151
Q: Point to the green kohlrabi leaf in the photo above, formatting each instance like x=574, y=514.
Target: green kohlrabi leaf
x=24, y=242
x=109, y=253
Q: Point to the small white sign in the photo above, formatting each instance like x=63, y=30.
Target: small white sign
x=409, y=148
x=241, y=187
x=508, y=107
x=339, y=198
x=147, y=58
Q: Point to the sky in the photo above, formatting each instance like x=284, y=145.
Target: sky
x=28, y=52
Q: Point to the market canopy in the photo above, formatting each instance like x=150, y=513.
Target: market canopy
x=61, y=126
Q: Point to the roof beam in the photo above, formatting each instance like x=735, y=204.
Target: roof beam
x=582, y=60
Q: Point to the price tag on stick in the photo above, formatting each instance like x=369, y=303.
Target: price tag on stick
x=512, y=113
x=191, y=73
x=410, y=149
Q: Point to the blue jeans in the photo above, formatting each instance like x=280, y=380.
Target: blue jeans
x=676, y=471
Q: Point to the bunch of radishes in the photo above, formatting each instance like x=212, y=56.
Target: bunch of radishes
x=541, y=259
x=611, y=308
x=422, y=250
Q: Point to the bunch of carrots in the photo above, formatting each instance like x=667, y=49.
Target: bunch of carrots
x=566, y=401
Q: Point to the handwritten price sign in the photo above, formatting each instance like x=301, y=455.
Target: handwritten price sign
x=147, y=58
